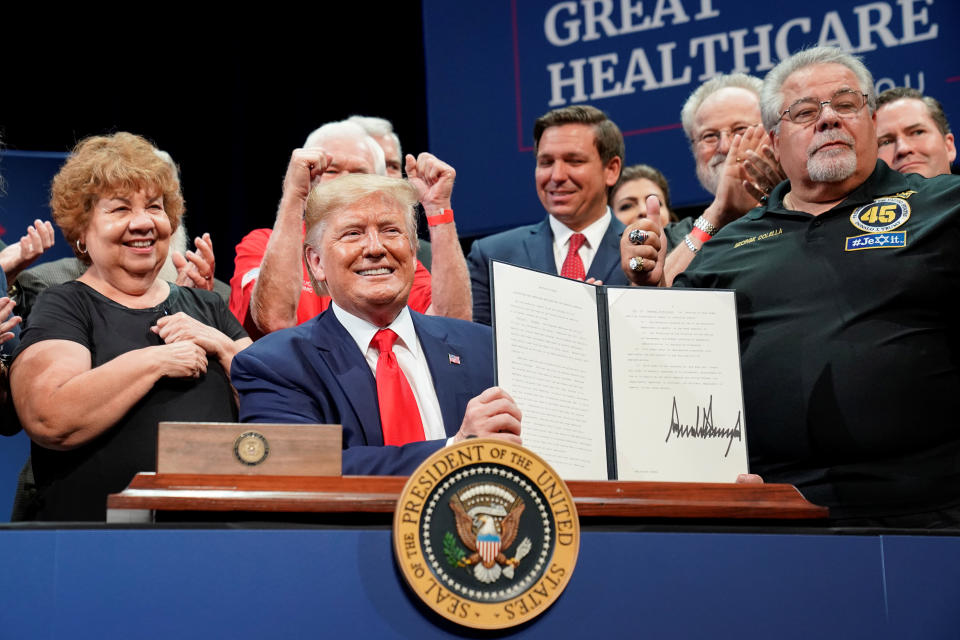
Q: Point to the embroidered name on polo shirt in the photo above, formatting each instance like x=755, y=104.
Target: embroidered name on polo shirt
x=762, y=236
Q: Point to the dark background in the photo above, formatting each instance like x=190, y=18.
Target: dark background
x=228, y=96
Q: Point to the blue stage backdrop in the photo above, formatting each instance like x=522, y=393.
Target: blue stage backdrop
x=26, y=195
x=494, y=67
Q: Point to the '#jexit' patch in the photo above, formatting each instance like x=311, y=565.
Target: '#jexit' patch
x=891, y=240
x=883, y=214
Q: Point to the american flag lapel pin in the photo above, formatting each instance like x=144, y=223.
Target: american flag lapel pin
x=454, y=358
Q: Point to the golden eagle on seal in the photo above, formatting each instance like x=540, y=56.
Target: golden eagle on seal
x=488, y=519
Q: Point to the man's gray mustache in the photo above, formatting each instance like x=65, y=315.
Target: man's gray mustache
x=826, y=137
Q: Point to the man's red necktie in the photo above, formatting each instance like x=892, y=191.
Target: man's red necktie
x=399, y=414
x=573, y=265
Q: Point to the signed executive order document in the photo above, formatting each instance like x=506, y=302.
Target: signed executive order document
x=629, y=383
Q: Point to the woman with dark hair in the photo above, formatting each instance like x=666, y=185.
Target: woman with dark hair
x=629, y=195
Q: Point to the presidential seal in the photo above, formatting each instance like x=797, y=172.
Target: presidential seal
x=486, y=534
x=251, y=448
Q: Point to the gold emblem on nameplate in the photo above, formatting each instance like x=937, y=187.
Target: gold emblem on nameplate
x=486, y=534
x=251, y=448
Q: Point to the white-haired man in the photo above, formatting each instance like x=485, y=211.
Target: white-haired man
x=718, y=111
x=270, y=288
x=848, y=351
x=381, y=130
x=401, y=384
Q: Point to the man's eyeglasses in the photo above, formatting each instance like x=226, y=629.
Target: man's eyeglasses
x=712, y=138
x=845, y=103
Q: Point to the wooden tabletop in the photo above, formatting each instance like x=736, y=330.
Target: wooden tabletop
x=378, y=494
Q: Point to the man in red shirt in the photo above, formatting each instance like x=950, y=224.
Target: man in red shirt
x=270, y=289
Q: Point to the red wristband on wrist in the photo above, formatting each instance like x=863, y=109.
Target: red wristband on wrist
x=700, y=235
x=441, y=218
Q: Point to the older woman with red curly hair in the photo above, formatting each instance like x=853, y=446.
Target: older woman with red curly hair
x=109, y=355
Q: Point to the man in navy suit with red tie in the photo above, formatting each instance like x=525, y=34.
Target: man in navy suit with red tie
x=579, y=154
x=402, y=384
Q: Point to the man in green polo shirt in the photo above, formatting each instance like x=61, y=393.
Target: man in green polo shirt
x=849, y=355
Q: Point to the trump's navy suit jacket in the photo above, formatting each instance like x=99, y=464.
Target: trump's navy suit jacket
x=315, y=373
x=532, y=247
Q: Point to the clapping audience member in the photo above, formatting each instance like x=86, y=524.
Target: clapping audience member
x=721, y=112
x=108, y=356
x=194, y=268
x=13, y=259
x=18, y=256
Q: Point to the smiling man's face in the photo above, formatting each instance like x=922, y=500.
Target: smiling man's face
x=366, y=258
x=572, y=180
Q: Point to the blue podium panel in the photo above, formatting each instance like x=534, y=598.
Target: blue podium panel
x=664, y=585
x=308, y=583
x=241, y=584
x=27, y=588
x=691, y=585
x=923, y=586
x=14, y=451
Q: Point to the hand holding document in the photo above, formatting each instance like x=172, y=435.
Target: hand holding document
x=619, y=382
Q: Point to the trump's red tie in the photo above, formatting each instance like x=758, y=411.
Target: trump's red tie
x=399, y=414
x=573, y=265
